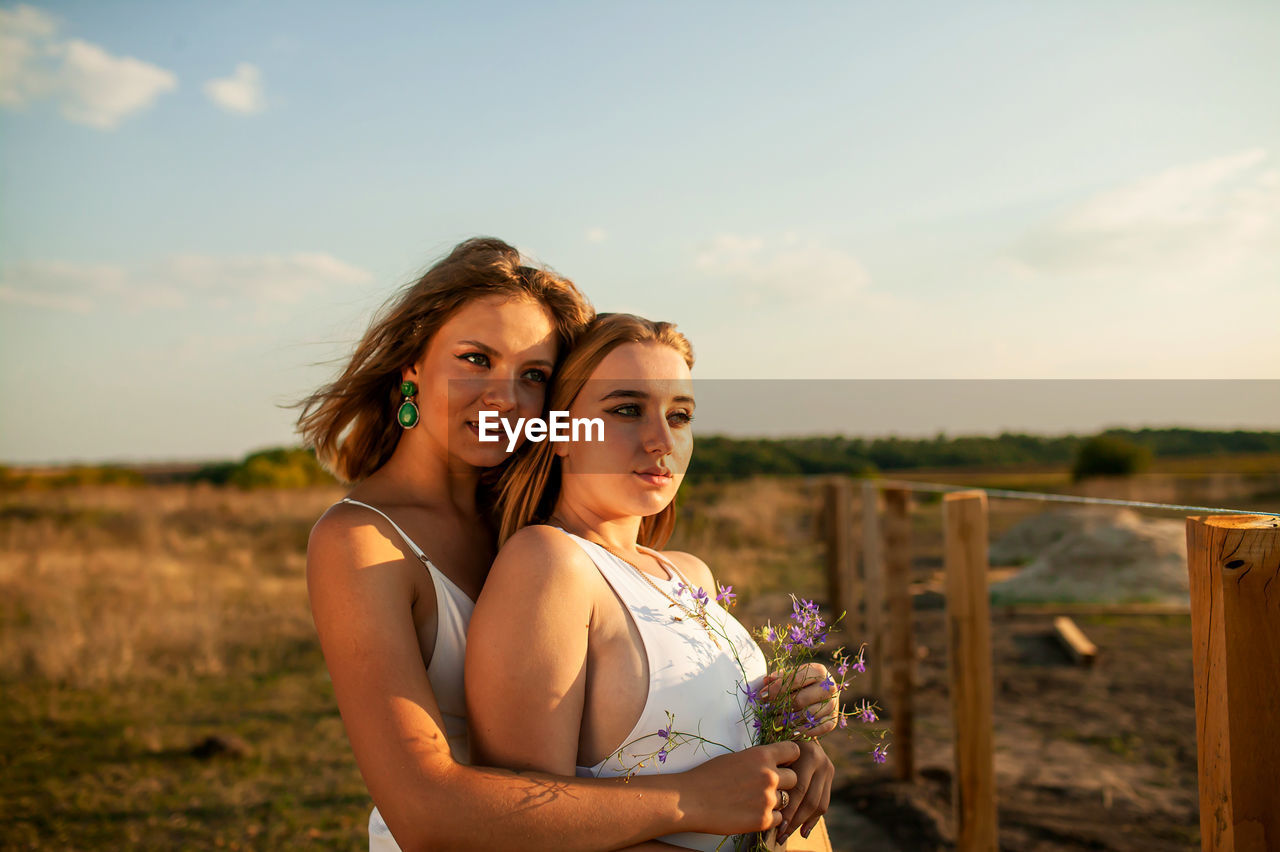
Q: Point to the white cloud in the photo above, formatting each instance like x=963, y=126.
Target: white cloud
x=1192, y=224
x=100, y=90
x=767, y=270
x=262, y=279
x=90, y=85
x=241, y=92
x=50, y=301
x=597, y=235
x=237, y=283
x=23, y=29
x=76, y=287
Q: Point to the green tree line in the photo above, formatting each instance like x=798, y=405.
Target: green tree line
x=717, y=457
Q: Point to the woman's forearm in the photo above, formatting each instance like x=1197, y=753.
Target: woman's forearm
x=486, y=809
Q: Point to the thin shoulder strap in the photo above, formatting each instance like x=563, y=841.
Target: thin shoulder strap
x=417, y=551
x=665, y=561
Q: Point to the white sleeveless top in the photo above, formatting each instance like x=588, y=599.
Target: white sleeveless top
x=444, y=672
x=700, y=684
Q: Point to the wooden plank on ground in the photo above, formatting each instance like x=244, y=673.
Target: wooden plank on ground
x=1074, y=641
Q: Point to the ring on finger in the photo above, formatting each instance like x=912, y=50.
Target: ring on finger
x=783, y=800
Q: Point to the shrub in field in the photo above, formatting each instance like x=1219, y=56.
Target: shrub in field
x=74, y=476
x=279, y=468
x=1109, y=455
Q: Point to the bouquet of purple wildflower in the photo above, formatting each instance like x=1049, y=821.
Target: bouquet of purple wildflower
x=768, y=708
x=787, y=648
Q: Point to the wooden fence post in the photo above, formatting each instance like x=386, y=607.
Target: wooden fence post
x=1234, y=567
x=901, y=639
x=973, y=789
x=873, y=584
x=841, y=577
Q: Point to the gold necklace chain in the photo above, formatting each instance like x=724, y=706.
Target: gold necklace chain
x=699, y=617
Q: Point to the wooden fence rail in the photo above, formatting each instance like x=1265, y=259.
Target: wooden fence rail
x=873, y=585
x=842, y=576
x=901, y=649
x=1234, y=567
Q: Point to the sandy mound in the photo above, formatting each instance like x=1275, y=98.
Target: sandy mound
x=1112, y=556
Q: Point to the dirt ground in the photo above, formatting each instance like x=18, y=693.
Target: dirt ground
x=1099, y=757
x=1086, y=758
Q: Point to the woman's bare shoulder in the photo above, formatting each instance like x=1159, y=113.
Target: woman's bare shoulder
x=343, y=525
x=541, y=554
x=348, y=539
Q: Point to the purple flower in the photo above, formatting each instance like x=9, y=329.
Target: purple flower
x=803, y=607
x=664, y=733
x=859, y=665
x=753, y=693
x=880, y=755
x=844, y=720
x=810, y=719
x=680, y=588
x=700, y=596
x=662, y=755
x=796, y=636
x=773, y=634
x=829, y=684
x=843, y=668
x=867, y=714
x=726, y=596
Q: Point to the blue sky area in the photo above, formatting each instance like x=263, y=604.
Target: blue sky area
x=201, y=204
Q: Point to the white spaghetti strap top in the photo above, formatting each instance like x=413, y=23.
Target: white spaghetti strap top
x=444, y=672
x=700, y=684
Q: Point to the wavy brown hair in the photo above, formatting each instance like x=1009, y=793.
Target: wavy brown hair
x=351, y=422
x=530, y=486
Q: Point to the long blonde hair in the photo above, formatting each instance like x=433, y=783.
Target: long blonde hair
x=529, y=488
x=351, y=422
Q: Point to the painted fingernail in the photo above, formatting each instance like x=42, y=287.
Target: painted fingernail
x=804, y=832
x=782, y=830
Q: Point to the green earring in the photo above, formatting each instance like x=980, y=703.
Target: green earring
x=408, y=413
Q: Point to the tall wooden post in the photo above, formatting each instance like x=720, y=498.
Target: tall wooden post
x=873, y=583
x=842, y=588
x=973, y=790
x=901, y=646
x=1234, y=567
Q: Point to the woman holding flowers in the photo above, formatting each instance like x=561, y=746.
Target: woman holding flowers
x=392, y=571
x=591, y=652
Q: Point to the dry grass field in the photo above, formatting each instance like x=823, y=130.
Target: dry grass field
x=137, y=623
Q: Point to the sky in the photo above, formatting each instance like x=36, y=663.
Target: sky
x=202, y=204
